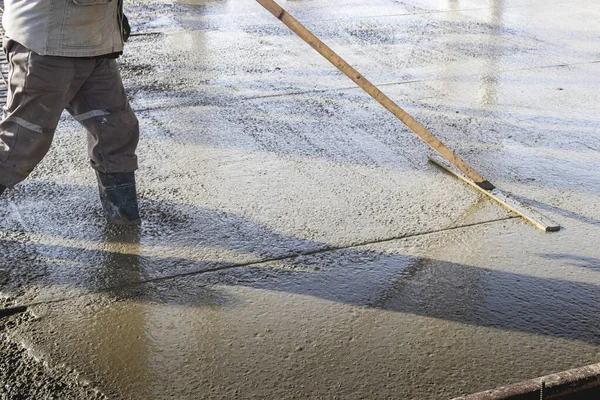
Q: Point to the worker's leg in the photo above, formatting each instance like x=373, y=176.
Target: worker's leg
x=101, y=106
x=39, y=89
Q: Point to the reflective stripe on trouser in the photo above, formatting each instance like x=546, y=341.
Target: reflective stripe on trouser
x=40, y=88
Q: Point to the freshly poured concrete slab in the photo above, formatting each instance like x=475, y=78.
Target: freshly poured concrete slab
x=429, y=317
x=295, y=240
x=254, y=58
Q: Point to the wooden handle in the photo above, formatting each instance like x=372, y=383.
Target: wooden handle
x=374, y=92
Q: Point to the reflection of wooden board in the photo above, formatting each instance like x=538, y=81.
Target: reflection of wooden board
x=511, y=204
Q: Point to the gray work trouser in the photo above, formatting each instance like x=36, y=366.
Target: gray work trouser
x=40, y=88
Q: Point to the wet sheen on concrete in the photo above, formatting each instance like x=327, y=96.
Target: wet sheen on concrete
x=296, y=243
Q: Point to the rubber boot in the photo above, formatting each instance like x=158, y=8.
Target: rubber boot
x=118, y=197
x=2, y=189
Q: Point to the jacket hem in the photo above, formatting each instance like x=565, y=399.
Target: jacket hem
x=68, y=52
x=65, y=53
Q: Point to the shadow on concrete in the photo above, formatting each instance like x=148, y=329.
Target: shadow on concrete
x=124, y=264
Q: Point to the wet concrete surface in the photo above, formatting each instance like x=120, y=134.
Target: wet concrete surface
x=296, y=243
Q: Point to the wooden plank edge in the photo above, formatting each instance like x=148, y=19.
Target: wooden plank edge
x=538, y=220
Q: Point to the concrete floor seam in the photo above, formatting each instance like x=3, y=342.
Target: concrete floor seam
x=412, y=81
x=254, y=263
x=434, y=12
x=424, y=12
x=387, y=84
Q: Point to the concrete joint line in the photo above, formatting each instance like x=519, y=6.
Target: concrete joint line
x=391, y=239
x=270, y=96
x=145, y=34
x=424, y=12
x=339, y=89
x=326, y=249
x=264, y=261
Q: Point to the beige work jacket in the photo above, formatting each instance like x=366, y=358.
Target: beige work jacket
x=71, y=28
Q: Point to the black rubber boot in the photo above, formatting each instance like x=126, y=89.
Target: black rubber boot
x=118, y=197
x=2, y=189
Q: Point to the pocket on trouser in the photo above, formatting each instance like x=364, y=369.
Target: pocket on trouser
x=85, y=24
x=112, y=141
x=22, y=147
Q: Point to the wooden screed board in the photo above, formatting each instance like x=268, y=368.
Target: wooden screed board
x=375, y=93
x=473, y=178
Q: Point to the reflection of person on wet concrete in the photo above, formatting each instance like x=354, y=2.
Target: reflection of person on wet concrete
x=61, y=55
